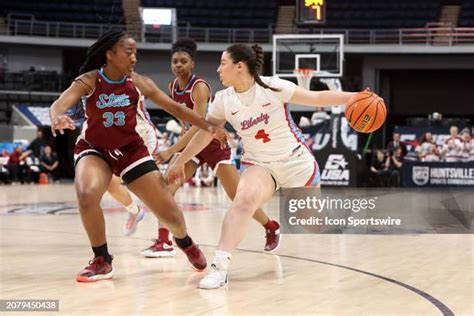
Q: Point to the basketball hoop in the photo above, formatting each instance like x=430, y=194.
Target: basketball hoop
x=304, y=76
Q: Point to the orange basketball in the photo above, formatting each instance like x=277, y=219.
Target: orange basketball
x=365, y=112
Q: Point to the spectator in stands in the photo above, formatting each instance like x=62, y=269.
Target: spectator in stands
x=204, y=176
x=304, y=122
x=393, y=164
x=467, y=153
x=4, y=174
x=320, y=117
x=17, y=166
x=426, y=147
x=395, y=144
x=379, y=172
x=36, y=146
x=433, y=154
x=235, y=149
x=49, y=163
x=453, y=145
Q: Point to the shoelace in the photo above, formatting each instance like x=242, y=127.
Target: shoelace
x=271, y=233
x=194, y=252
x=94, y=263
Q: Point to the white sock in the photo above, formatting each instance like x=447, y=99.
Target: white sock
x=133, y=208
x=222, y=259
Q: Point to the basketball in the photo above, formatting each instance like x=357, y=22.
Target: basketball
x=365, y=112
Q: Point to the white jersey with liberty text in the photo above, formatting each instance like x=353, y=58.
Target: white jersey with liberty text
x=261, y=118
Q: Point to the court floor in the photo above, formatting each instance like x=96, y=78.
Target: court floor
x=43, y=246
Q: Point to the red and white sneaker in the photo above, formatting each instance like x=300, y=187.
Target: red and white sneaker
x=159, y=249
x=272, y=238
x=132, y=222
x=98, y=269
x=195, y=256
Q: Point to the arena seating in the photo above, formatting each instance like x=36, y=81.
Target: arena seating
x=379, y=14
x=466, y=18
x=226, y=14
x=370, y=14
x=79, y=11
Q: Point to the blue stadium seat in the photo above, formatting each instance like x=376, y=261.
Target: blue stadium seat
x=71, y=11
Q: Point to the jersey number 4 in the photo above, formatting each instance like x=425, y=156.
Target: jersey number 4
x=263, y=136
x=117, y=119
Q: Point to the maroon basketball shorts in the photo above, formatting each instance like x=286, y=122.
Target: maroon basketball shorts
x=128, y=162
x=214, y=155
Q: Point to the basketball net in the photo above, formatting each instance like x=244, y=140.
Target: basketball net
x=304, y=75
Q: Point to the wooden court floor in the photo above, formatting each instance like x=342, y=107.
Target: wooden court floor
x=43, y=246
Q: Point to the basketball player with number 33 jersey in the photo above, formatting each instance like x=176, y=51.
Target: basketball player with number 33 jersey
x=111, y=144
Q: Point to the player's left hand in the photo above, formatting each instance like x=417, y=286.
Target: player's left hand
x=61, y=123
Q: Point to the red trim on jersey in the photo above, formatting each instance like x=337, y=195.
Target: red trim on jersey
x=452, y=138
x=285, y=105
x=313, y=175
x=246, y=163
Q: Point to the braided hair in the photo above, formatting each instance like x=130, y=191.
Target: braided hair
x=96, y=53
x=186, y=45
x=95, y=59
x=252, y=56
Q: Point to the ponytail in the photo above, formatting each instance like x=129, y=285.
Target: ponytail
x=253, y=57
x=259, y=59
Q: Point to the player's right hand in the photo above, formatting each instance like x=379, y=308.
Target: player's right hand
x=175, y=174
x=61, y=123
x=221, y=135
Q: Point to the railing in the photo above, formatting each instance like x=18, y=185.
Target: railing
x=57, y=29
x=426, y=36
x=448, y=36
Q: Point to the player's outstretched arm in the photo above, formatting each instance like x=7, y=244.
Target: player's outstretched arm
x=151, y=91
x=195, y=146
x=320, y=98
x=201, y=97
x=83, y=85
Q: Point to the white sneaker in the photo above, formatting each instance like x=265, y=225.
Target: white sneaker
x=214, y=279
x=132, y=222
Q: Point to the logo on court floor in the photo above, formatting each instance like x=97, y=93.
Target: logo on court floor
x=421, y=175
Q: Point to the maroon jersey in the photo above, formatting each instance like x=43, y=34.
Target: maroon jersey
x=186, y=96
x=212, y=154
x=111, y=113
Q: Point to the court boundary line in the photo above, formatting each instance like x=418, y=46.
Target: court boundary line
x=443, y=308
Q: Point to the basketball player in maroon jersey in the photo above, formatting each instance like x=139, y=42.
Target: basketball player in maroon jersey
x=109, y=144
x=188, y=88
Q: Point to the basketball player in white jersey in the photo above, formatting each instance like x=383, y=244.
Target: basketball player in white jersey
x=275, y=153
